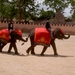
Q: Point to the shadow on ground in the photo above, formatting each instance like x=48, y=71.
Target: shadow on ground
x=46, y=55
x=12, y=53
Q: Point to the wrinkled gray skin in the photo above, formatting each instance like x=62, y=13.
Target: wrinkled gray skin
x=12, y=41
x=56, y=34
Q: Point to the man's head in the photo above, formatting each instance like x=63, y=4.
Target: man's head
x=11, y=20
x=48, y=18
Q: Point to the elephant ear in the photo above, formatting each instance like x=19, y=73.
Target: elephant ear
x=58, y=33
x=61, y=31
x=18, y=31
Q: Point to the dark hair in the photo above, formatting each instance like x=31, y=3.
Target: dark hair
x=48, y=18
x=10, y=20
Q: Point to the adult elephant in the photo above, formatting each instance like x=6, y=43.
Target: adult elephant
x=6, y=37
x=57, y=33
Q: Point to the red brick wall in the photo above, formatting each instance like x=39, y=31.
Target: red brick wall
x=27, y=27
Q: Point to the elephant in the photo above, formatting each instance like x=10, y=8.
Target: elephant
x=57, y=34
x=12, y=40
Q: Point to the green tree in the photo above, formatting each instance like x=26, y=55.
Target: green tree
x=2, y=8
x=56, y=5
x=44, y=14
x=72, y=5
x=73, y=15
x=11, y=10
x=25, y=8
x=18, y=8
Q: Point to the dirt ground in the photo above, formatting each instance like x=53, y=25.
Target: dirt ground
x=63, y=64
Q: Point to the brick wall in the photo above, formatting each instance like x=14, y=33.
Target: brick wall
x=27, y=27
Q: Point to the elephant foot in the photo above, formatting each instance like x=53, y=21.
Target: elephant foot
x=27, y=52
x=1, y=51
x=56, y=54
x=8, y=52
x=42, y=54
x=17, y=53
x=33, y=53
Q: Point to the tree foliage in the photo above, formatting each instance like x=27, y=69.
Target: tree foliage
x=17, y=8
x=56, y=5
x=29, y=9
x=44, y=14
x=72, y=5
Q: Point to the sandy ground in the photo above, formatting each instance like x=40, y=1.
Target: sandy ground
x=63, y=64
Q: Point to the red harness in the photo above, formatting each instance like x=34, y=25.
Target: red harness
x=42, y=35
x=4, y=34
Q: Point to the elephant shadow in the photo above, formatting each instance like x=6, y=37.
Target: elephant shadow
x=12, y=53
x=50, y=55
x=45, y=55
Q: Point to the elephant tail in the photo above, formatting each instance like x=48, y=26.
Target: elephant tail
x=26, y=39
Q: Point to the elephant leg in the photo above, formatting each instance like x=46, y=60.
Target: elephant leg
x=32, y=50
x=1, y=46
x=44, y=49
x=28, y=50
x=15, y=48
x=54, y=48
x=10, y=47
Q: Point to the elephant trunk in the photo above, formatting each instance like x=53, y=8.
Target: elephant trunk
x=24, y=41
x=66, y=36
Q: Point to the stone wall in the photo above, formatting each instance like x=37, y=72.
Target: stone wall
x=28, y=27
x=59, y=17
